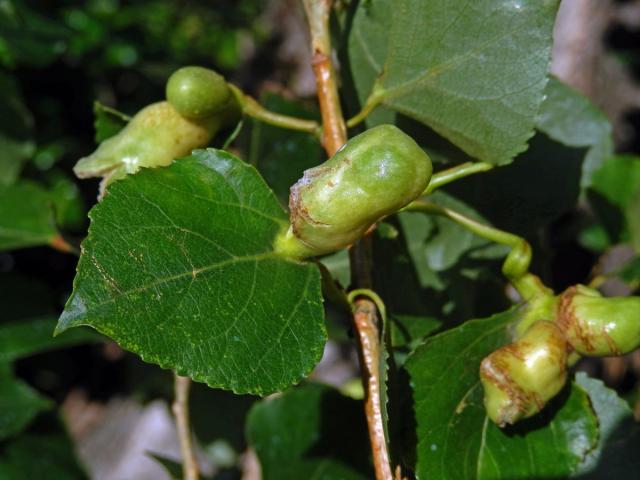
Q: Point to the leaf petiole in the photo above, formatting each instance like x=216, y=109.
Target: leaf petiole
x=455, y=173
x=516, y=265
x=252, y=108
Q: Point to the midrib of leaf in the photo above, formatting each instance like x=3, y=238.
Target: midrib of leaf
x=193, y=273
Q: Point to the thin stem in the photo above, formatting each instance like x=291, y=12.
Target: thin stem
x=372, y=102
x=334, y=136
x=252, y=108
x=516, y=265
x=455, y=173
x=480, y=229
x=181, y=411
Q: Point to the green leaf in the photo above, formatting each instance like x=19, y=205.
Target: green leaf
x=475, y=72
x=618, y=180
x=282, y=155
x=19, y=404
x=409, y=330
x=613, y=196
x=338, y=264
x=437, y=243
x=67, y=201
x=171, y=467
x=302, y=434
x=632, y=215
x=616, y=455
x=16, y=131
x=206, y=404
x=29, y=38
x=45, y=456
x=570, y=118
x=179, y=268
x=27, y=337
x=26, y=216
x=630, y=272
x=523, y=197
x=24, y=298
x=107, y=121
x=455, y=438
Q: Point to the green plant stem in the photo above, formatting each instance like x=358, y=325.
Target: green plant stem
x=455, y=173
x=372, y=102
x=252, y=108
x=180, y=409
x=516, y=265
x=364, y=315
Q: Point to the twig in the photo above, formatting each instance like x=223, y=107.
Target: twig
x=181, y=411
x=334, y=136
x=334, y=133
x=364, y=317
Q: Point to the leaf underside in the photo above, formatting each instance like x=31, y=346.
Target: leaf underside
x=473, y=71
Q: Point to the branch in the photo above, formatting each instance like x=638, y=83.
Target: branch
x=365, y=320
x=181, y=411
x=334, y=131
x=334, y=136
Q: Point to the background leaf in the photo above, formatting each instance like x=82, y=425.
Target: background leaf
x=107, y=121
x=301, y=434
x=40, y=455
x=188, y=278
x=613, y=196
x=473, y=71
x=282, y=155
x=616, y=453
x=26, y=337
x=16, y=131
x=19, y=403
x=26, y=216
x=27, y=37
x=570, y=118
x=455, y=438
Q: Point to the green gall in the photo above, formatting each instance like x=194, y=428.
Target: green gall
x=519, y=379
x=597, y=326
x=197, y=92
x=154, y=137
x=373, y=175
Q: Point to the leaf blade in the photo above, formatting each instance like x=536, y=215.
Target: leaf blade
x=451, y=414
x=188, y=278
x=472, y=71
